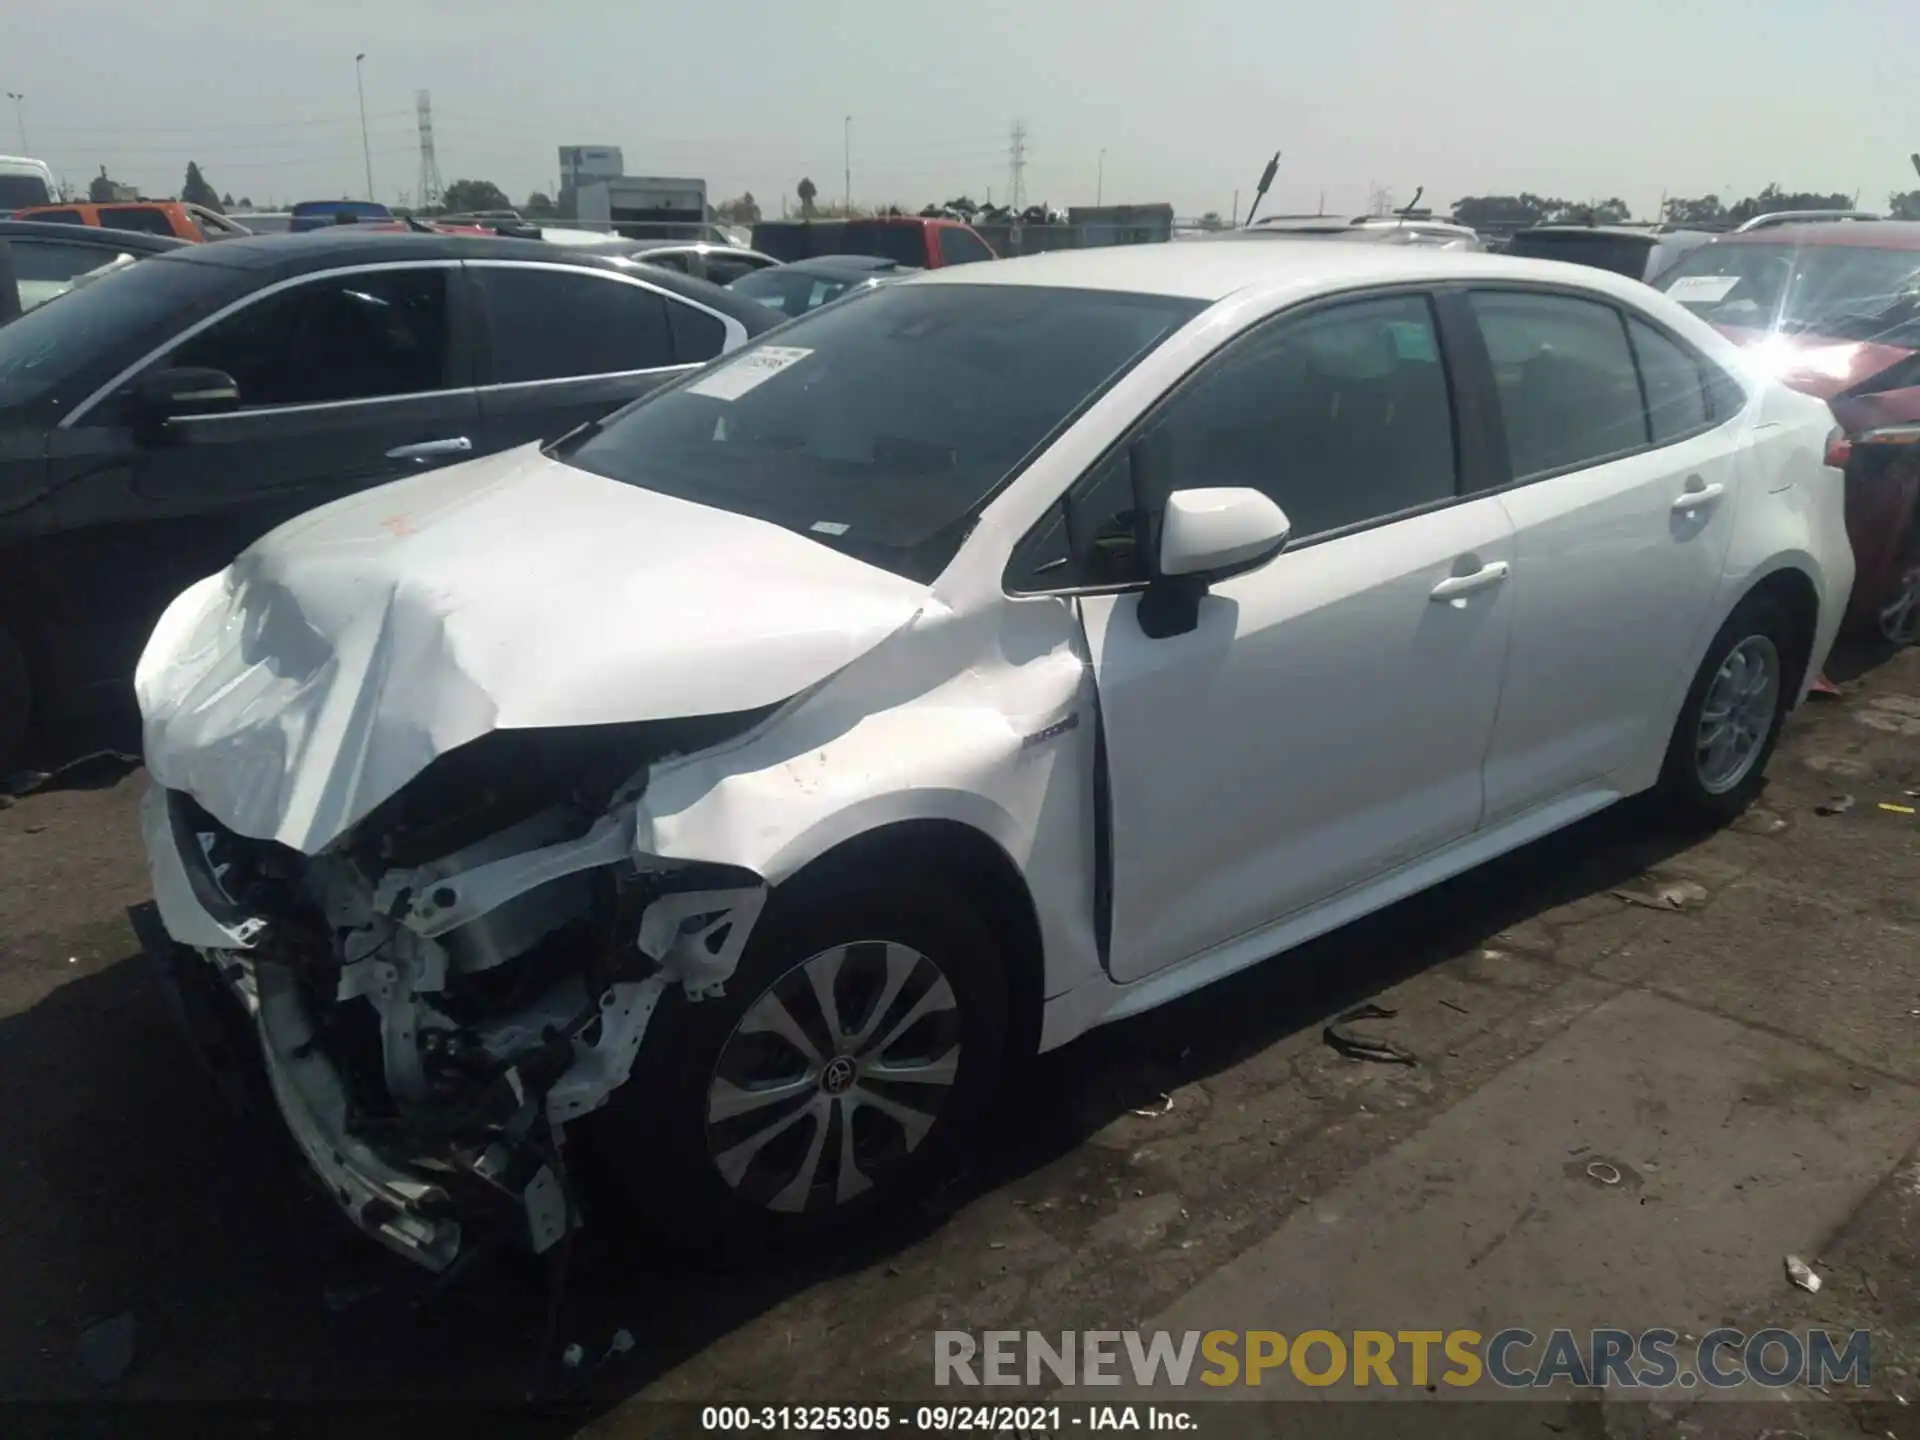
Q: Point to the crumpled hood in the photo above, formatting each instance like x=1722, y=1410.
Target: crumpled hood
x=337, y=657
x=1817, y=365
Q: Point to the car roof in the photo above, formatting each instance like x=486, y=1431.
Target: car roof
x=100, y=236
x=1213, y=272
x=842, y=265
x=1618, y=232
x=1876, y=235
x=285, y=256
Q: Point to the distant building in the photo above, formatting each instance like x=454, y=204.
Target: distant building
x=1122, y=224
x=586, y=165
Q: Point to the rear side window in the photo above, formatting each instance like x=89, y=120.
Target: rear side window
x=697, y=336
x=348, y=337
x=1676, y=395
x=143, y=219
x=725, y=269
x=1622, y=254
x=18, y=192
x=1568, y=389
x=59, y=217
x=555, y=325
x=38, y=259
x=960, y=247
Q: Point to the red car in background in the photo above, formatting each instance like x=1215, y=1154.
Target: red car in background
x=916, y=240
x=1834, y=310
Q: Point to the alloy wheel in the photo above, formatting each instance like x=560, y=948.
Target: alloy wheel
x=1900, y=616
x=1737, y=714
x=834, y=1077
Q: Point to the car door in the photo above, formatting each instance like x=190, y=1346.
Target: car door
x=1621, y=496
x=1326, y=719
x=565, y=344
x=346, y=379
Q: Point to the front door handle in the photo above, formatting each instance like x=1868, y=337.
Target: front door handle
x=1455, y=586
x=1692, y=500
x=430, y=449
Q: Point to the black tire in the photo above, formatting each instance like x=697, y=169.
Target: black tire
x=654, y=1137
x=1686, y=796
x=16, y=700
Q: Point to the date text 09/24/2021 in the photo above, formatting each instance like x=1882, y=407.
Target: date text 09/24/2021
x=945, y=1419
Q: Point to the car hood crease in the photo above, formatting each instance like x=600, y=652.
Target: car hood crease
x=341, y=654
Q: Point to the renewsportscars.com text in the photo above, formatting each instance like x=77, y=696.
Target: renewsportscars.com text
x=1513, y=1359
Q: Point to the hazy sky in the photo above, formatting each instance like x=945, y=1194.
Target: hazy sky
x=1586, y=99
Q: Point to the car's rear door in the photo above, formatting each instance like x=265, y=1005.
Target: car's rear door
x=564, y=344
x=347, y=378
x=1620, y=478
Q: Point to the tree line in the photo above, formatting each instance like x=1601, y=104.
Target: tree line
x=1516, y=211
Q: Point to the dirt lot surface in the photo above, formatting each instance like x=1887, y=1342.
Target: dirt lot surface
x=1728, y=1025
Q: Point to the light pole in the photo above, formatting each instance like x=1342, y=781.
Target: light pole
x=846, y=199
x=1100, y=178
x=366, y=149
x=20, y=117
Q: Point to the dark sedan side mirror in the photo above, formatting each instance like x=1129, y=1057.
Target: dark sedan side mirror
x=181, y=393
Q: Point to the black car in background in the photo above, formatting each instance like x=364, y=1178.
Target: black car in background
x=39, y=260
x=1638, y=252
x=156, y=421
x=808, y=284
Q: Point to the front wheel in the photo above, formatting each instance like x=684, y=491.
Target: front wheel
x=861, y=1036
x=1731, y=720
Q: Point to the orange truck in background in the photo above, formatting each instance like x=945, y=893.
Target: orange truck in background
x=194, y=223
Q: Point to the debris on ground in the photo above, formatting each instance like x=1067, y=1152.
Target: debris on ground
x=1672, y=895
x=94, y=770
x=345, y=1295
x=1603, y=1172
x=1823, y=686
x=1154, y=1112
x=1757, y=821
x=1364, y=1047
x=106, y=1347
x=1838, y=805
x=1800, y=1274
x=1461, y=1008
x=1897, y=809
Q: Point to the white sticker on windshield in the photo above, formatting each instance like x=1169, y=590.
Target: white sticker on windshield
x=1701, y=289
x=756, y=367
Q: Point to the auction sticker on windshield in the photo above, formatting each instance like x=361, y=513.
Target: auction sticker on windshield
x=756, y=367
x=1701, y=289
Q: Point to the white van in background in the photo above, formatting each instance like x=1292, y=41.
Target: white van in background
x=25, y=182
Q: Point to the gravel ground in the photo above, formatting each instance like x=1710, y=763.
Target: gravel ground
x=1751, y=1057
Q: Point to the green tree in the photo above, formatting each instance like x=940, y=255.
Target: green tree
x=741, y=210
x=806, y=192
x=539, y=206
x=1904, y=205
x=1773, y=200
x=1701, y=210
x=465, y=196
x=196, y=190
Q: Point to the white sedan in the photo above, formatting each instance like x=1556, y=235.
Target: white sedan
x=741, y=783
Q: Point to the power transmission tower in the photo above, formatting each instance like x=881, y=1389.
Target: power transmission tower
x=1017, y=153
x=431, y=189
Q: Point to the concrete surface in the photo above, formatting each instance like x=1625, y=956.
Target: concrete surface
x=1750, y=1062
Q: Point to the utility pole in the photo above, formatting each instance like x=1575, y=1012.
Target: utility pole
x=20, y=118
x=1017, y=153
x=1234, y=218
x=366, y=149
x=846, y=155
x=430, y=183
x=1100, y=178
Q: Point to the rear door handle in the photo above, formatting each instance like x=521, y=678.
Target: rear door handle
x=429, y=449
x=1455, y=586
x=1692, y=500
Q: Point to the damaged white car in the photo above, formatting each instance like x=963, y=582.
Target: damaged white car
x=739, y=784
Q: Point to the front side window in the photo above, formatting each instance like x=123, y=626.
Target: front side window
x=143, y=219
x=724, y=269
x=1341, y=417
x=556, y=324
x=347, y=337
x=37, y=259
x=960, y=247
x=1568, y=391
x=21, y=192
x=789, y=290
x=881, y=428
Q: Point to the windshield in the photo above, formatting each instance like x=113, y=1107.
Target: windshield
x=94, y=327
x=17, y=192
x=882, y=427
x=1847, y=292
x=791, y=292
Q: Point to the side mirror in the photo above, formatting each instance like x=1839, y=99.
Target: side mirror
x=1212, y=534
x=181, y=393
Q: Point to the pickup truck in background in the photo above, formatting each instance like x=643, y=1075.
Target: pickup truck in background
x=177, y=219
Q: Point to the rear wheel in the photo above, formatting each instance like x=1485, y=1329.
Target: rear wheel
x=16, y=700
x=857, y=1043
x=1899, y=617
x=1717, y=758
